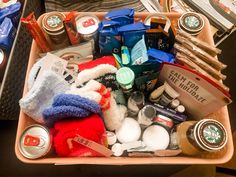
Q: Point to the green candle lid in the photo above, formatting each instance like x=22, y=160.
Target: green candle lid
x=125, y=77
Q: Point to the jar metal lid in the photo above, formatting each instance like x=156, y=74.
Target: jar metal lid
x=191, y=22
x=87, y=24
x=210, y=135
x=52, y=22
x=35, y=142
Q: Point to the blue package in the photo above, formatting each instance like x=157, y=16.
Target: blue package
x=12, y=12
x=109, y=39
x=132, y=33
x=7, y=34
x=158, y=56
x=123, y=16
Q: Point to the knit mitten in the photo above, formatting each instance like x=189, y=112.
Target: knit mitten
x=41, y=95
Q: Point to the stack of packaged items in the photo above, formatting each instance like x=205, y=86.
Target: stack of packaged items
x=124, y=87
x=9, y=19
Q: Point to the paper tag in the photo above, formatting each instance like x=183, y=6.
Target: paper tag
x=200, y=95
x=90, y=144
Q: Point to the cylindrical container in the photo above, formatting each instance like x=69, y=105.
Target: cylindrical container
x=163, y=121
x=195, y=137
x=35, y=142
x=3, y=63
x=156, y=137
x=135, y=103
x=111, y=138
x=125, y=77
x=191, y=23
x=146, y=115
x=87, y=26
x=52, y=24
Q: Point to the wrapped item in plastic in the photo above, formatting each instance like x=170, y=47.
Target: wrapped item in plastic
x=12, y=12
x=7, y=34
x=212, y=71
x=200, y=53
x=36, y=32
x=123, y=16
x=183, y=59
x=213, y=51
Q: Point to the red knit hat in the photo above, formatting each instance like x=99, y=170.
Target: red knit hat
x=91, y=128
x=91, y=64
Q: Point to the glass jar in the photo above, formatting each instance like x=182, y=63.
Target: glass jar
x=195, y=137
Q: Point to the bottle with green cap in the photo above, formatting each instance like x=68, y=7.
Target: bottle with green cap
x=125, y=77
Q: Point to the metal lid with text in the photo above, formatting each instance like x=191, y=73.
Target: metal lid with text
x=87, y=24
x=35, y=142
x=210, y=135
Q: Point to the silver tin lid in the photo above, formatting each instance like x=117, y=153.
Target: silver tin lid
x=87, y=24
x=35, y=142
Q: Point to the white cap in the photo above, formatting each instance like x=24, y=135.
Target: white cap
x=174, y=103
x=117, y=149
x=180, y=108
x=111, y=138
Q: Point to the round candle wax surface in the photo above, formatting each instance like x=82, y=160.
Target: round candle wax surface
x=129, y=131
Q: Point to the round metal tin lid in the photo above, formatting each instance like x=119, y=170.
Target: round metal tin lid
x=211, y=135
x=149, y=111
x=53, y=21
x=87, y=24
x=191, y=22
x=34, y=142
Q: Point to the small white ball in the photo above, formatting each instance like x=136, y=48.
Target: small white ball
x=156, y=137
x=129, y=131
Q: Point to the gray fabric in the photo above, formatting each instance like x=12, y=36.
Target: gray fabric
x=92, y=5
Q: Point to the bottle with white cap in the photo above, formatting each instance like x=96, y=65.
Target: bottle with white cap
x=175, y=103
x=180, y=108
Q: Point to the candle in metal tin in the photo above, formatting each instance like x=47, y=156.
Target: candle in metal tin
x=146, y=114
x=35, y=142
x=87, y=26
x=52, y=24
x=191, y=23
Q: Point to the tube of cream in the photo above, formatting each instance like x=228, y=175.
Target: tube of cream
x=168, y=95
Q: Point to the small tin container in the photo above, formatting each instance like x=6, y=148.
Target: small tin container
x=163, y=121
x=87, y=26
x=35, y=142
x=52, y=24
x=191, y=23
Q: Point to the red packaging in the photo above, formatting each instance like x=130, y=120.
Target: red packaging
x=70, y=27
x=36, y=32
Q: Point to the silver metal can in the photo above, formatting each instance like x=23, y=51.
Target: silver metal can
x=35, y=142
x=87, y=26
x=52, y=24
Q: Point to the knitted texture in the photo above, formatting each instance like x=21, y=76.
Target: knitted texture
x=41, y=95
x=67, y=106
x=91, y=128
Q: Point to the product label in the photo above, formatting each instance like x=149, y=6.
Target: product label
x=53, y=21
x=200, y=95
